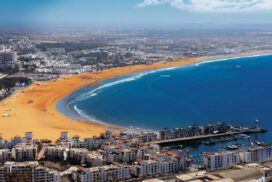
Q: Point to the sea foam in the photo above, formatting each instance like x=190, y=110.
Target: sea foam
x=129, y=78
x=132, y=77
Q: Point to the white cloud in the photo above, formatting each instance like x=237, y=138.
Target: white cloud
x=213, y=5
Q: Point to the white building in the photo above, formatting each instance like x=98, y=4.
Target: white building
x=76, y=142
x=148, y=136
x=147, y=168
x=28, y=171
x=104, y=173
x=56, y=152
x=159, y=164
x=222, y=160
x=42, y=174
x=121, y=155
x=259, y=154
x=94, y=159
x=5, y=155
x=24, y=153
x=93, y=143
x=21, y=170
x=3, y=174
x=78, y=155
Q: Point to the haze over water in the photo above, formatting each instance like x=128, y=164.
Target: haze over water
x=235, y=91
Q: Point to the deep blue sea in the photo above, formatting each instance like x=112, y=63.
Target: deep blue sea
x=236, y=91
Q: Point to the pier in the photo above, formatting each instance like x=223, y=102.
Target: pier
x=242, y=131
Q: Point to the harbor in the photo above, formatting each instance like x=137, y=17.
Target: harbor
x=197, y=146
x=215, y=135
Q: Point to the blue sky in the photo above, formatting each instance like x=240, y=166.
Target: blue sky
x=134, y=12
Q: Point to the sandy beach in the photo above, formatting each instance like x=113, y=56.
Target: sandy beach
x=34, y=108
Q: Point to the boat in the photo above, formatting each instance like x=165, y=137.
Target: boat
x=176, y=147
x=206, y=142
x=232, y=147
x=258, y=143
x=244, y=136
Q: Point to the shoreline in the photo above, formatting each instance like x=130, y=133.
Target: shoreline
x=35, y=108
x=73, y=112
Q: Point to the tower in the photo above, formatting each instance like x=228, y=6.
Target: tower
x=257, y=124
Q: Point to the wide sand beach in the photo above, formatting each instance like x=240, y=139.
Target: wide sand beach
x=34, y=108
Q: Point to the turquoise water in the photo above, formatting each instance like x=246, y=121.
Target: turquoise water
x=236, y=91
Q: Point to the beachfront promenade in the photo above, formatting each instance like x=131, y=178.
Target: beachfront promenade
x=198, y=137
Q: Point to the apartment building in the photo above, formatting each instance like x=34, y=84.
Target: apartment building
x=148, y=136
x=28, y=171
x=94, y=159
x=258, y=154
x=78, y=155
x=42, y=174
x=123, y=155
x=57, y=152
x=23, y=171
x=147, y=168
x=24, y=152
x=5, y=155
x=221, y=160
x=105, y=173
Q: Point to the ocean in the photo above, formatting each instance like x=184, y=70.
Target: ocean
x=236, y=91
